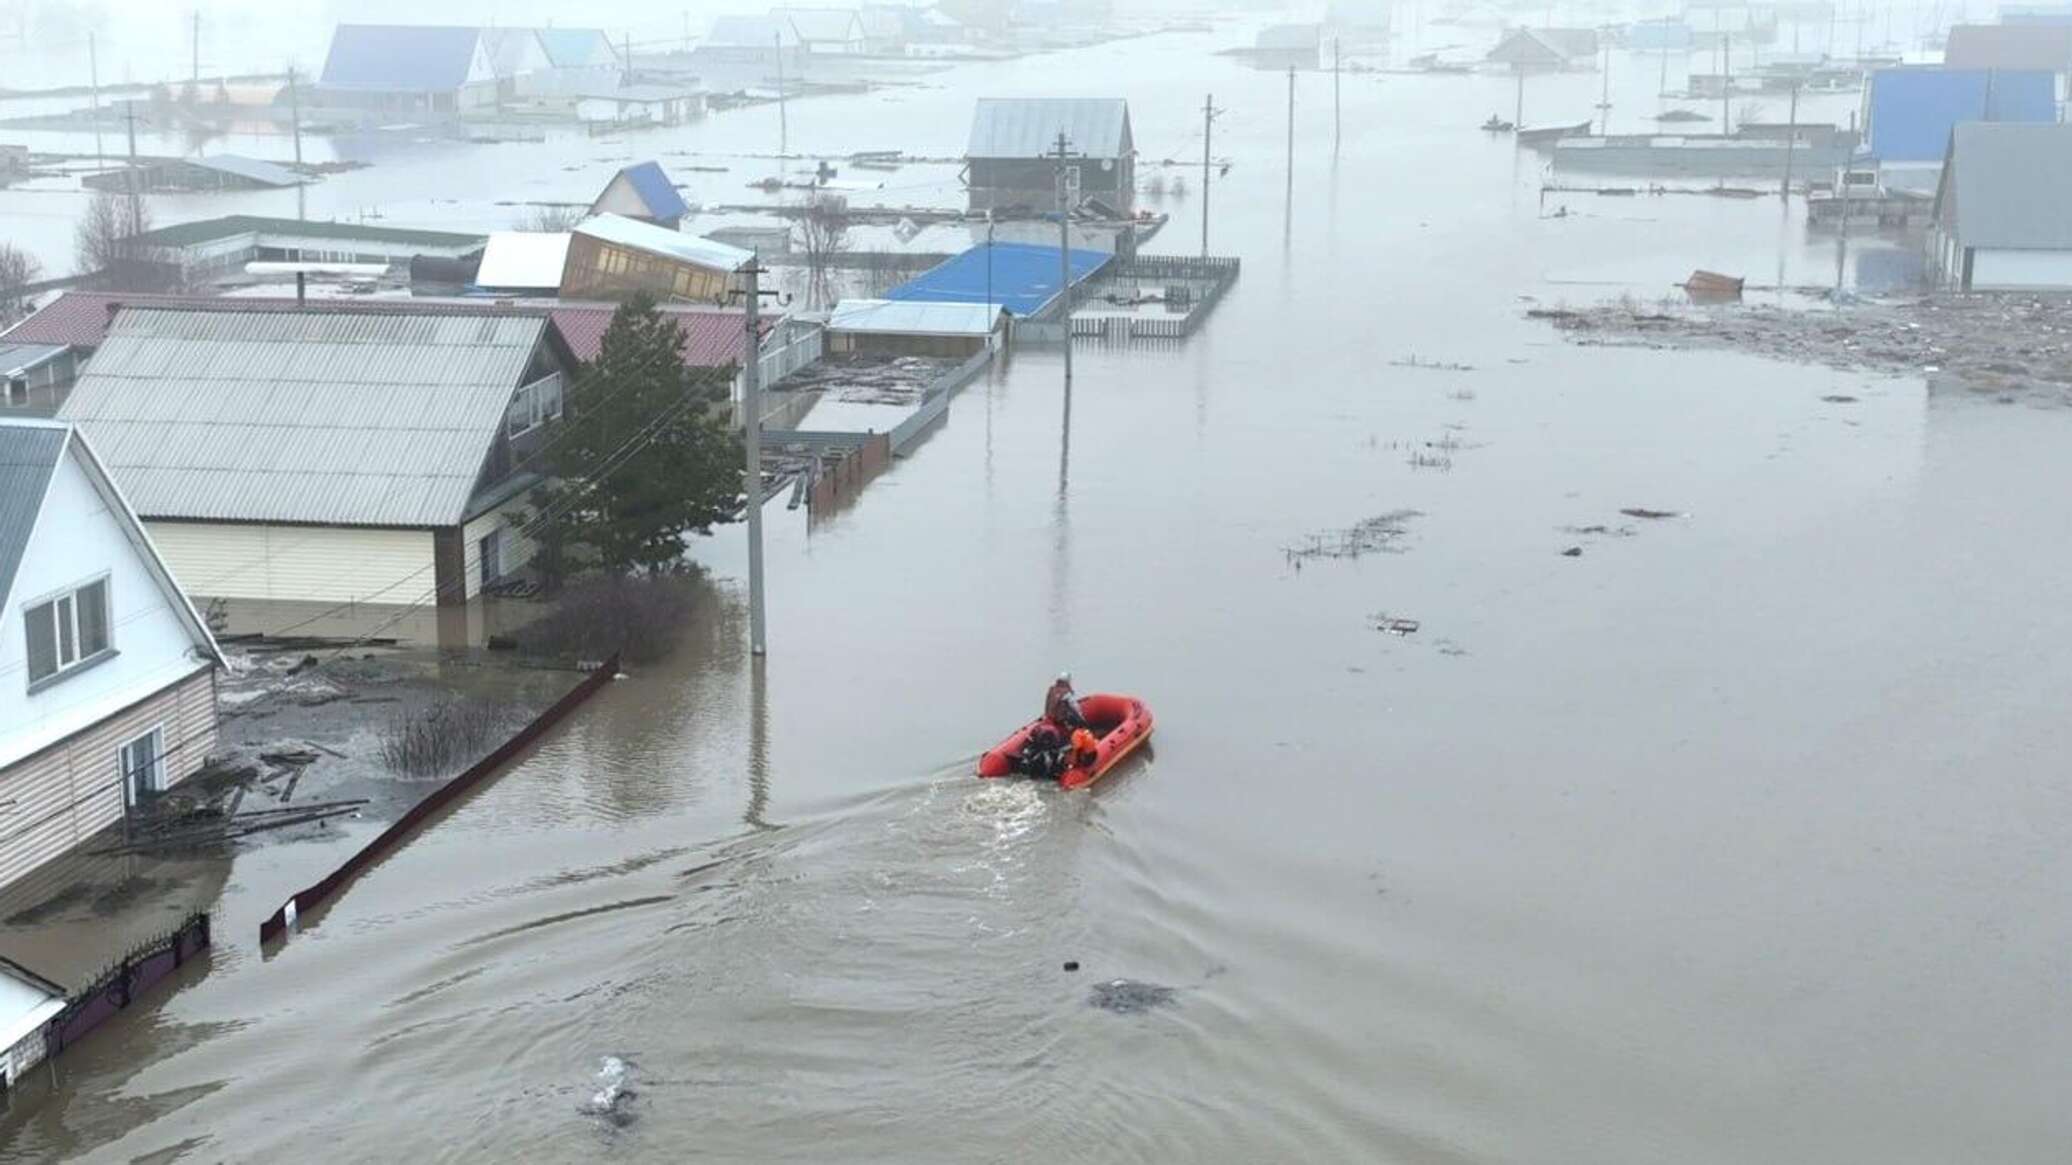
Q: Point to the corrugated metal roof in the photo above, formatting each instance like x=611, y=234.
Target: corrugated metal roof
x=523, y=260
x=1021, y=277
x=642, y=236
x=1913, y=109
x=336, y=418
x=913, y=317
x=399, y=58
x=229, y=226
x=252, y=169
x=656, y=190
x=29, y=452
x=16, y=359
x=1027, y=127
x=2013, y=184
x=2009, y=46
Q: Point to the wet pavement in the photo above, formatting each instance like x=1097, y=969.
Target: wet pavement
x=1736, y=837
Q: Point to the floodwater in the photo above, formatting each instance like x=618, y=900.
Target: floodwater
x=1737, y=837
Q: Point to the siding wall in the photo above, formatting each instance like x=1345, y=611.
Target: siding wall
x=331, y=564
x=68, y=792
x=517, y=549
x=2021, y=270
x=601, y=270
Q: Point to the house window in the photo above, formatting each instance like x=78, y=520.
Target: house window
x=143, y=766
x=17, y=391
x=534, y=405
x=67, y=631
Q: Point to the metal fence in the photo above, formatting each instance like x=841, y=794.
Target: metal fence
x=789, y=357
x=121, y=984
x=935, y=400
x=1217, y=272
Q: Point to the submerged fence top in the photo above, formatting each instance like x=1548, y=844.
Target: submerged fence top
x=1021, y=277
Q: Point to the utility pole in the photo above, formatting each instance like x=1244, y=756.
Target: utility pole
x=1518, y=115
x=626, y=48
x=1291, y=140
x=194, y=77
x=1726, y=83
x=1790, y=139
x=752, y=442
x=1334, y=97
x=136, y=215
x=295, y=112
x=1208, y=119
x=1604, y=100
x=783, y=131
x=93, y=74
x=1064, y=250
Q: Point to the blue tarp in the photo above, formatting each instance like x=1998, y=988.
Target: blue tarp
x=1023, y=276
x=1913, y=110
x=656, y=190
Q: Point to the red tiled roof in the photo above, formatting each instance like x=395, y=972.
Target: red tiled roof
x=80, y=319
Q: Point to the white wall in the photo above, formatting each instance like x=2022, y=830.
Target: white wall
x=77, y=538
x=517, y=549
x=331, y=564
x=2020, y=270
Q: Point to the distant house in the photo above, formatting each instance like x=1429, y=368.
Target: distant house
x=1543, y=50
x=825, y=31
x=639, y=105
x=1913, y=109
x=915, y=328
x=761, y=47
x=523, y=263
x=1357, y=22
x=34, y=377
x=359, y=455
x=409, y=68
x=1007, y=160
x=611, y=257
x=28, y=1001
x=2010, y=46
x=889, y=28
x=2001, y=209
x=1663, y=35
x=577, y=60
x=197, y=252
x=110, y=673
x=1288, y=46
x=185, y=175
x=642, y=192
x=1021, y=278
x=515, y=55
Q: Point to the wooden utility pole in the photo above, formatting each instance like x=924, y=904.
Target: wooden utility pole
x=783, y=131
x=1291, y=139
x=295, y=112
x=136, y=214
x=194, y=75
x=752, y=443
x=1208, y=120
x=1790, y=139
x=93, y=75
x=1726, y=83
x=1065, y=249
x=1518, y=115
x=626, y=66
x=1334, y=97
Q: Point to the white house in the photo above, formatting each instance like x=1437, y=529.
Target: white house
x=2003, y=208
x=349, y=455
x=107, y=674
x=27, y=1002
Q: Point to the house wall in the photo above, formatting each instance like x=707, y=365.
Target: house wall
x=997, y=182
x=332, y=564
x=894, y=344
x=2007, y=270
x=597, y=269
x=77, y=539
x=65, y=794
x=516, y=549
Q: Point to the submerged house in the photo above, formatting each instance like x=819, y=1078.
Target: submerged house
x=409, y=68
x=1912, y=110
x=825, y=31
x=110, y=674
x=2001, y=219
x=28, y=1001
x=644, y=193
x=1008, y=160
x=613, y=257
x=759, y=47
x=1544, y=50
x=915, y=327
x=364, y=455
x=190, y=253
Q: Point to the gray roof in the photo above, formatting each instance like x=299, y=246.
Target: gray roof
x=2012, y=182
x=338, y=418
x=1026, y=127
x=252, y=169
x=29, y=453
x=16, y=358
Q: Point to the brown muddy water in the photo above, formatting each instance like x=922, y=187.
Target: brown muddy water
x=1736, y=837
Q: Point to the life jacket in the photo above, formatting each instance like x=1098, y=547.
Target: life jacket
x=1084, y=747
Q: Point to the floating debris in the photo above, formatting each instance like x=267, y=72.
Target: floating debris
x=1839, y=399
x=1394, y=625
x=1130, y=996
x=614, y=1097
x=1414, y=361
x=1378, y=534
x=1572, y=552
x=1652, y=515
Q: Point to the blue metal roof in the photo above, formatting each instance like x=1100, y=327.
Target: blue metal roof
x=399, y=58
x=1023, y=277
x=1913, y=109
x=656, y=190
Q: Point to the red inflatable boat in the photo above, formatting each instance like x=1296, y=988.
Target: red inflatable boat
x=1119, y=725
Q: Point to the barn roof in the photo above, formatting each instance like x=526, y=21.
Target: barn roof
x=1027, y=127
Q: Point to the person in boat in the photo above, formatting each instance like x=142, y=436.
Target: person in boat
x=1061, y=705
x=1049, y=750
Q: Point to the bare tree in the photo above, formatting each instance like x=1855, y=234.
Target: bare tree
x=100, y=243
x=552, y=218
x=18, y=269
x=823, y=233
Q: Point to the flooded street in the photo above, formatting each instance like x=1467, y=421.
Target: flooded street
x=1735, y=837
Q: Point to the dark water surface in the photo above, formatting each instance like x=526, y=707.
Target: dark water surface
x=1736, y=838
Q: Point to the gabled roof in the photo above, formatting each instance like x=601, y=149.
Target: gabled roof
x=2012, y=184
x=640, y=236
x=1021, y=277
x=754, y=32
x=652, y=187
x=914, y=317
x=822, y=25
x=2010, y=46
x=1534, y=48
x=1912, y=110
x=404, y=58
x=358, y=418
x=253, y=169
x=230, y=226
x=1027, y=127
x=577, y=48
x=28, y=456
x=27, y=1001
x=514, y=51
x=523, y=260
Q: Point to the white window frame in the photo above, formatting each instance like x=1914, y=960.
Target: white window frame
x=156, y=779
x=534, y=405
x=18, y=385
x=79, y=660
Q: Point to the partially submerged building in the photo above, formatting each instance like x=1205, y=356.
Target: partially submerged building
x=1010, y=162
x=760, y=48
x=644, y=193
x=2001, y=219
x=110, y=672
x=28, y=1002
x=639, y=105
x=410, y=68
x=198, y=252
x=1020, y=278
x=613, y=257
x=1912, y=110
x=825, y=31
x=893, y=327
x=2010, y=46
x=195, y=175
x=361, y=455
x=34, y=377
x=1544, y=50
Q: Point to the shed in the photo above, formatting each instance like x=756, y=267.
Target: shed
x=837, y=31
x=194, y=252
x=221, y=172
x=2010, y=46
x=1008, y=155
x=612, y=256
x=1021, y=278
x=644, y=193
x=523, y=262
x=409, y=67
x=2000, y=221
x=1527, y=50
x=1284, y=37
x=369, y=456
x=915, y=327
x=752, y=48
x=639, y=105
x=34, y=377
